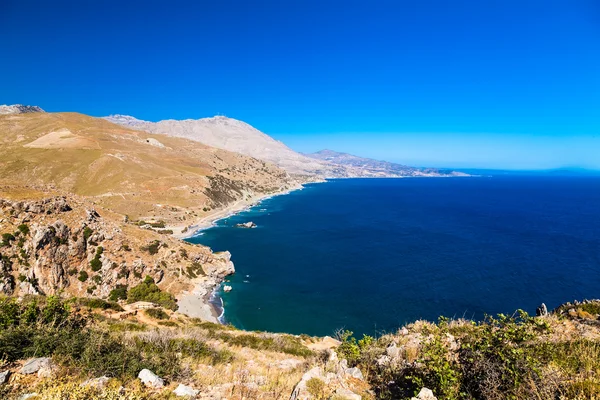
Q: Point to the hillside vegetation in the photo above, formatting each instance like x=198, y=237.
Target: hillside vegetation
x=130, y=172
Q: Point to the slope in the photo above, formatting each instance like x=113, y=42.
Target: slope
x=233, y=135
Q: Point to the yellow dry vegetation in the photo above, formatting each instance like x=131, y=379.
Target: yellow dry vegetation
x=130, y=172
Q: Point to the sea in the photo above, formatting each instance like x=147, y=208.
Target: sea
x=370, y=255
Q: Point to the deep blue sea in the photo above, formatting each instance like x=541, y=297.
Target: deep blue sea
x=370, y=255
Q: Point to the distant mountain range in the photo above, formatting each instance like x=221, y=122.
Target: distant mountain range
x=368, y=167
x=237, y=136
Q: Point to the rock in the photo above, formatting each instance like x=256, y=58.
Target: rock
x=97, y=383
x=541, y=311
x=347, y=394
x=183, y=390
x=248, y=225
x=393, y=351
x=28, y=396
x=301, y=391
x=227, y=288
x=425, y=394
x=355, y=373
x=46, y=371
x=289, y=363
x=4, y=377
x=150, y=379
x=332, y=356
x=403, y=331
x=35, y=364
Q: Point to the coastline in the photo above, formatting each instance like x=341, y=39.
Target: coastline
x=209, y=221
x=200, y=301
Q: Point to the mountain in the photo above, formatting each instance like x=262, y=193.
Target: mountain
x=233, y=135
x=367, y=167
x=128, y=171
x=19, y=109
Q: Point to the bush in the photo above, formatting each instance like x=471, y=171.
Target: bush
x=7, y=238
x=97, y=303
x=96, y=264
x=118, y=293
x=195, y=270
x=156, y=313
x=23, y=228
x=87, y=232
x=149, y=291
x=151, y=248
x=83, y=276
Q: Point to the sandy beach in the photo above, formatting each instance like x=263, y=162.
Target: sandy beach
x=196, y=304
x=226, y=212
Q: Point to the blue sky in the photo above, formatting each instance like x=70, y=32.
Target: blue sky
x=490, y=84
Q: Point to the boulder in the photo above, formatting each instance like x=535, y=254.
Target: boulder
x=347, y=394
x=185, y=391
x=355, y=373
x=35, y=364
x=425, y=394
x=150, y=379
x=248, y=225
x=541, y=311
x=4, y=377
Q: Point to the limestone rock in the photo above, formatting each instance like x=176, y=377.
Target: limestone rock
x=425, y=394
x=355, y=373
x=183, y=391
x=248, y=225
x=35, y=364
x=541, y=311
x=4, y=377
x=301, y=391
x=150, y=379
x=347, y=394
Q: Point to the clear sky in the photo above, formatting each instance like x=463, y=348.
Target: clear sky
x=491, y=84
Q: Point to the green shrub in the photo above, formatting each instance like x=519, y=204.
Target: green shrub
x=195, y=270
x=97, y=303
x=7, y=238
x=83, y=276
x=23, y=228
x=151, y=248
x=118, y=293
x=149, y=291
x=96, y=264
x=87, y=232
x=156, y=313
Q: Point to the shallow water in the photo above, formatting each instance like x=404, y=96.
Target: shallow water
x=372, y=254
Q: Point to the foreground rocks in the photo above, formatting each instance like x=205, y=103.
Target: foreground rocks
x=36, y=365
x=150, y=379
x=335, y=379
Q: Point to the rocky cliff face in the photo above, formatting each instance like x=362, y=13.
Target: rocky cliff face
x=62, y=244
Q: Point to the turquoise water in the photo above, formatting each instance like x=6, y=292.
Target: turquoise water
x=372, y=254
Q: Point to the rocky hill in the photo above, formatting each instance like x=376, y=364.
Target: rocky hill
x=233, y=135
x=367, y=167
x=130, y=172
x=63, y=244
